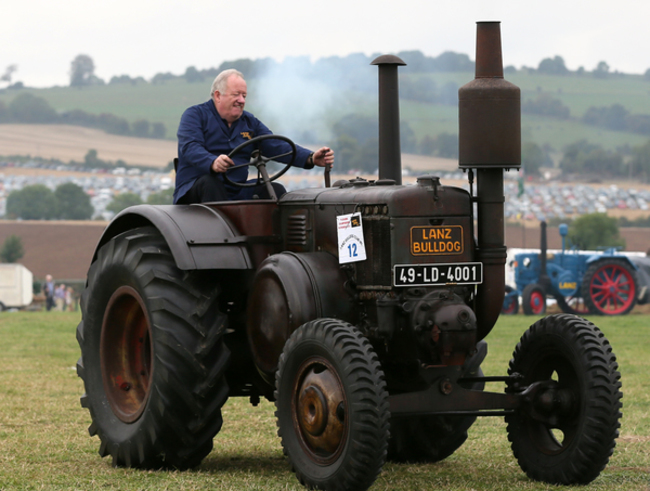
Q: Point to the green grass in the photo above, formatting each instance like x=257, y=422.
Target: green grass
x=166, y=102
x=44, y=443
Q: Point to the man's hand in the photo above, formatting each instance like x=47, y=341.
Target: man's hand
x=324, y=156
x=221, y=163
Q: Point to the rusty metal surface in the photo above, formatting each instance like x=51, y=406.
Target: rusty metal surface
x=320, y=409
x=390, y=155
x=489, y=109
x=288, y=291
x=126, y=354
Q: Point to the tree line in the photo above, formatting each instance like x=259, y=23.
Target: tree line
x=28, y=108
x=69, y=201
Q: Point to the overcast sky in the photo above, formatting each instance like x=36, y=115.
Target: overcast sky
x=145, y=37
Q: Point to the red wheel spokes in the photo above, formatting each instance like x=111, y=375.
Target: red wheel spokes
x=611, y=289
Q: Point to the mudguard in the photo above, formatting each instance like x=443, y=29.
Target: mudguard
x=199, y=236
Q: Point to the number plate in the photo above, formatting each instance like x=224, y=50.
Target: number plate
x=438, y=274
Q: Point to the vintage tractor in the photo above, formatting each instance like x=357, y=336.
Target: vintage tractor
x=360, y=309
x=603, y=283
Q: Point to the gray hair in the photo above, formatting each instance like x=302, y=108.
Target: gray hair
x=222, y=79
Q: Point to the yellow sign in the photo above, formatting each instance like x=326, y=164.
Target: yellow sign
x=431, y=241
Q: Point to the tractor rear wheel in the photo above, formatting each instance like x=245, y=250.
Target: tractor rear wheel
x=533, y=299
x=566, y=429
x=609, y=287
x=332, y=406
x=152, y=354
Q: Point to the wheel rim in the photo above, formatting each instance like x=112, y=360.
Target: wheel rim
x=511, y=306
x=612, y=289
x=126, y=354
x=560, y=405
x=319, y=411
x=537, y=302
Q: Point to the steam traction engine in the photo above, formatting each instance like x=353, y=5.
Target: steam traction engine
x=360, y=309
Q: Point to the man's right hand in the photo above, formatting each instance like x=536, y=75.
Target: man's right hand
x=221, y=163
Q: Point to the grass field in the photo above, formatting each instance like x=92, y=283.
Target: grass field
x=44, y=443
x=298, y=106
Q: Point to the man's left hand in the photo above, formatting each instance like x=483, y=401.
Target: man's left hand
x=324, y=156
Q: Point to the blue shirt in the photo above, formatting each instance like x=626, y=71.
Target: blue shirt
x=203, y=135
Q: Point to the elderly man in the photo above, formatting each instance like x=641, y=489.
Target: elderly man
x=208, y=132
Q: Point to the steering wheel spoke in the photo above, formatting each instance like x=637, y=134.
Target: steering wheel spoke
x=259, y=161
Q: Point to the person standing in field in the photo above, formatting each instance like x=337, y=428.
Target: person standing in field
x=48, y=291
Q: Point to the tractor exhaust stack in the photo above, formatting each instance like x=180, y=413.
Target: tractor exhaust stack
x=390, y=154
x=489, y=141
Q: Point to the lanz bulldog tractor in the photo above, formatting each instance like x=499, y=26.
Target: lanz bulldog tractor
x=605, y=283
x=360, y=309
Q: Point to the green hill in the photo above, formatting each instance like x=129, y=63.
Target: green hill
x=313, y=112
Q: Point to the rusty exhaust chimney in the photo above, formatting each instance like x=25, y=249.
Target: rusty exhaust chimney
x=390, y=153
x=490, y=141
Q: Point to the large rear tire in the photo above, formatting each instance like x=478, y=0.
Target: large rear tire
x=152, y=355
x=609, y=287
x=565, y=432
x=332, y=406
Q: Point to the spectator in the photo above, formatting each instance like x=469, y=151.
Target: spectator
x=48, y=291
x=59, y=297
x=69, y=299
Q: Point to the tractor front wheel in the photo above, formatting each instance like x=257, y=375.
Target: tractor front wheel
x=332, y=406
x=533, y=299
x=153, y=359
x=566, y=428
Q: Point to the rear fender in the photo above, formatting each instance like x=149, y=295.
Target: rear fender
x=199, y=236
x=596, y=258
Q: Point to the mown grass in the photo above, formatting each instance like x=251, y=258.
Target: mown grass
x=44, y=443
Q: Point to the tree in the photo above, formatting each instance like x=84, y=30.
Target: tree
x=640, y=163
x=27, y=108
x=545, y=105
x=140, y=128
x=589, y=158
x=552, y=66
x=9, y=71
x=36, y=202
x=595, y=230
x=82, y=71
x=122, y=201
x=192, y=75
x=444, y=145
x=158, y=130
x=601, y=70
x=12, y=249
x=73, y=202
x=165, y=197
x=532, y=158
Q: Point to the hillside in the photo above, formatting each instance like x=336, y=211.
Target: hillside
x=68, y=143
x=303, y=105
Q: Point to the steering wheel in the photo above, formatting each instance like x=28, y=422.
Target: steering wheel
x=259, y=161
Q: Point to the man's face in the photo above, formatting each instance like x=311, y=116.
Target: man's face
x=230, y=104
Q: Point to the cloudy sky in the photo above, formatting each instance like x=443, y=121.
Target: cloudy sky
x=145, y=37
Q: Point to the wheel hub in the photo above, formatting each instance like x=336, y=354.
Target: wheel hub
x=126, y=354
x=320, y=411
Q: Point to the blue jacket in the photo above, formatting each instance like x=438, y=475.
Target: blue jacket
x=203, y=136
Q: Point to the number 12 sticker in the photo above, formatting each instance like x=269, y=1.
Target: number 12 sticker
x=350, y=234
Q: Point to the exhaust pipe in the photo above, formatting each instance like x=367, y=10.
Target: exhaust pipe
x=390, y=153
x=489, y=141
